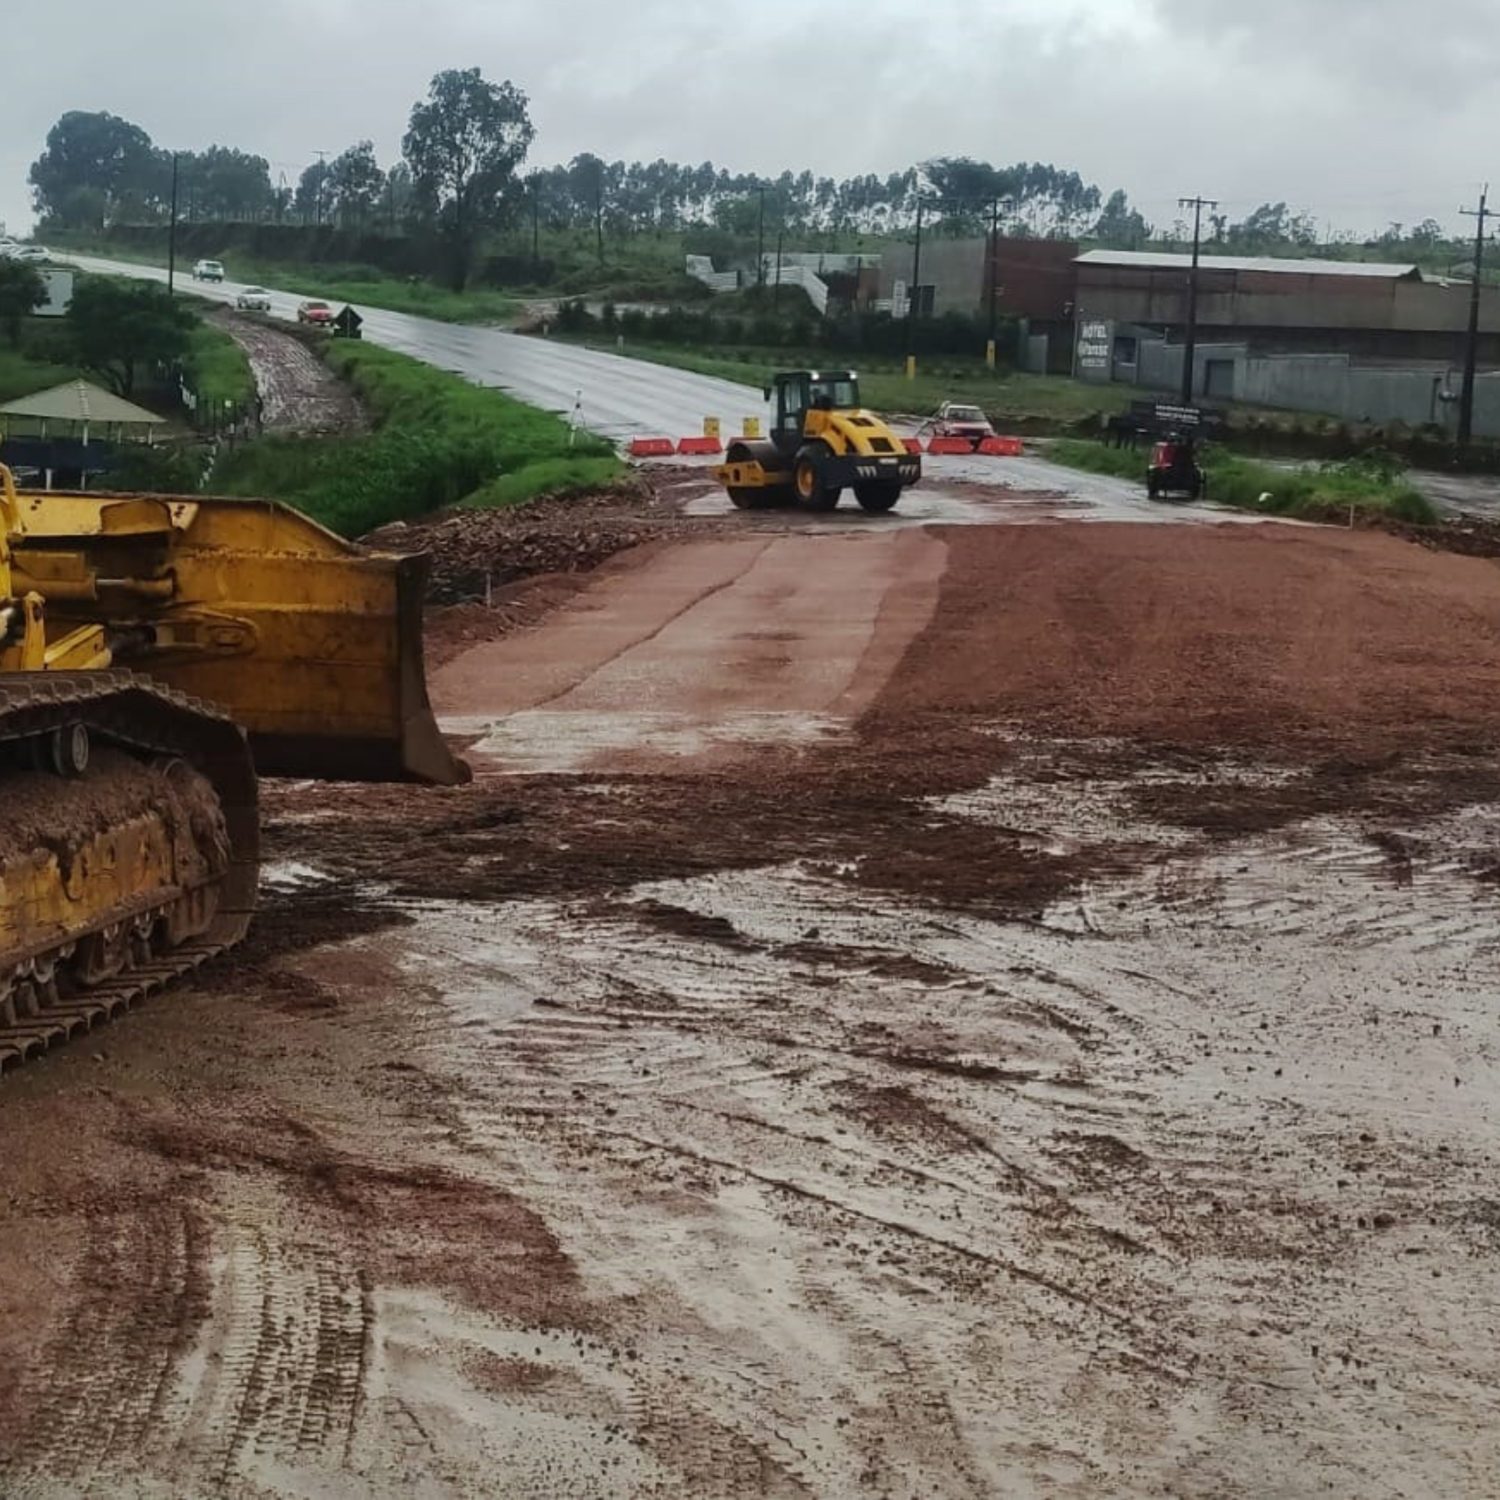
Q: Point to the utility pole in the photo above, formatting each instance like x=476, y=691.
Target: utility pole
x=776, y=290
x=760, y=248
x=172, y=234
x=536, y=225
x=1471, y=348
x=599, y=212
x=989, y=350
x=1190, y=341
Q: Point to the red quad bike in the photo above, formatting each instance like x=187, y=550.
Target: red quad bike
x=1174, y=470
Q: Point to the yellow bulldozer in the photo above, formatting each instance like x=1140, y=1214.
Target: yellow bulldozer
x=822, y=442
x=155, y=653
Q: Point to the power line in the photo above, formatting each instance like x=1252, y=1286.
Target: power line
x=1471, y=347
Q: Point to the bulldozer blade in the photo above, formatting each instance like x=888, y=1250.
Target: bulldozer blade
x=311, y=643
x=412, y=750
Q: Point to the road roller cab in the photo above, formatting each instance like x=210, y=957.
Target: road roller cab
x=822, y=442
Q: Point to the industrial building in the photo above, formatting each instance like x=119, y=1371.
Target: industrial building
x=1356, y=340
x=1361, y=341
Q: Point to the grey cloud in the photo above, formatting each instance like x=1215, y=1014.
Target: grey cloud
x=1386, y=118
x=1363, y=47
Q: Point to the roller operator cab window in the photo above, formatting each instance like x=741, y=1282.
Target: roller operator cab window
x=841, y=392
x=793, y=404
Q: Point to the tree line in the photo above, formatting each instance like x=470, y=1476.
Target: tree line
x=461, y=177
x=98, y=169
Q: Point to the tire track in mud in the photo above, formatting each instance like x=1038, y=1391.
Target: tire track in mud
x=105, y=1383
x=278, y=1374
x=210, y=1340
x=656, y=1033
x=965, y=1114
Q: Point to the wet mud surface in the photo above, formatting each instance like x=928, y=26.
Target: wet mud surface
x=1071, y=1071
x=299, y=394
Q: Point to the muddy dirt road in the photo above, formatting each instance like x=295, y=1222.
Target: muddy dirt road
x=298, y=392
x=947, y=1011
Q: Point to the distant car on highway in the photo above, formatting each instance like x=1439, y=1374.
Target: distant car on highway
x=31, y=253
x=318, y=313
x=253, y=299
x=956, y=419
x=208, y=270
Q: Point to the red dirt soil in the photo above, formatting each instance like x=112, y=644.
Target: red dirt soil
x=1264, y=637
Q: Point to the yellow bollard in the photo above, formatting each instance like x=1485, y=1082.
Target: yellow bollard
x=911, y=366
x=710, y=427
x=751, y=427
x=989, y=354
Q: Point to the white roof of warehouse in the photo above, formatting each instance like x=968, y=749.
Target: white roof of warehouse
x=1151, y=260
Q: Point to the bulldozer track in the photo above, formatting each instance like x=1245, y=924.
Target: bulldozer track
x=142, y=716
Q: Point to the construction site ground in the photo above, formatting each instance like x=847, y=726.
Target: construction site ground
x=995, y=1005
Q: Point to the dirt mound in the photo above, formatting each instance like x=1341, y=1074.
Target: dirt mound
x=1270, y=637
x=1471, y=536
x=475, y=552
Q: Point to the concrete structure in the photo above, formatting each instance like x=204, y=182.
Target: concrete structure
x=1033, y=281
x=701, y=268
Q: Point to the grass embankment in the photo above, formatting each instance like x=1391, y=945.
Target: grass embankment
x=220, y=372
x=20, y=374
x=1008, y=397
x=1371, y=484
x=360, y=285
x=363, y=287
x=438, y=441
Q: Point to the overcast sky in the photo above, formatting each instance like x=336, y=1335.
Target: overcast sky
x=1356, y=111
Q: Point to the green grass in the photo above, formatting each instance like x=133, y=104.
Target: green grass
x=1008, y=397
x=221, y=373
x=1372, y=484
x=363, y=287
x=360, y=285
x=1096, y=458
x=438, y=441
x=21, y=376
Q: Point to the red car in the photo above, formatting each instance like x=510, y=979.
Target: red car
x=319, y=313
x=954, y=419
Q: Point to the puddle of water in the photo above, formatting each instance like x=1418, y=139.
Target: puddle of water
x=463, y=953
x=291, y=875
x=1062, y=817
x=538, y=741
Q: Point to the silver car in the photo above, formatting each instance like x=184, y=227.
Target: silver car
x=253, y=299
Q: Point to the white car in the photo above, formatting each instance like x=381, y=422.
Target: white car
x=253, y=299
x=208, y=270
x=32, y=253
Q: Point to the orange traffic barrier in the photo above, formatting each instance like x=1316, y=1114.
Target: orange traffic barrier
x=1002, y=447
x=700, y=445
x=643, y=447
x=913, y=445
x=949, y=445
